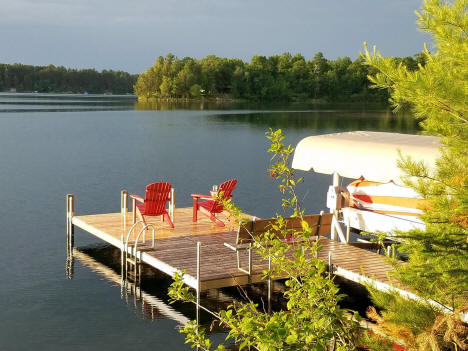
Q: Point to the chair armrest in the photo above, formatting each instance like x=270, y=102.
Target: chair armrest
x=137, y=197
x=200, y=196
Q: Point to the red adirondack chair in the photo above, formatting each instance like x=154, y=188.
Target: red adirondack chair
x=154, y=203
x=210, y=205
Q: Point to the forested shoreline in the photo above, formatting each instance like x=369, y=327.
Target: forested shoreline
x=52, y=79
x=276, y=78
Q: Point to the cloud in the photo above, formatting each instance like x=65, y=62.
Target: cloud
x=85, y=12
x=131, y=34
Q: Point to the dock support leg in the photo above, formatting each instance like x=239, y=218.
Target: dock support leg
x=70, y=235
x=198, y=283
x=330, y=264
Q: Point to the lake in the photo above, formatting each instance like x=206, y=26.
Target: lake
x=95, y=146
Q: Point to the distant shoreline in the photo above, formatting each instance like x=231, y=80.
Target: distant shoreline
x=22, y=78
x=31, y=93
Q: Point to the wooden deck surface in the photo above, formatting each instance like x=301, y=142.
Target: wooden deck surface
x=176, y=250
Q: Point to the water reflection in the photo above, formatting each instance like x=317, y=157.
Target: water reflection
x=69, y=263
x=31, y=102
x=326, y=121
x=206, y=104
x=326, y=117
x=150, y=296
x=162, y=105
x=150, y=306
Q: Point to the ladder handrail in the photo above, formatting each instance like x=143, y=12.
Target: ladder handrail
x=129, y=233
x=138, y=237
x=134, y=250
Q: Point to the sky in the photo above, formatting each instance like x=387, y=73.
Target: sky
x=129, y=35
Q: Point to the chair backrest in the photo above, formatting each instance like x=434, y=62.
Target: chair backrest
x=320, y=223
x=156, y=197
x=226, y=188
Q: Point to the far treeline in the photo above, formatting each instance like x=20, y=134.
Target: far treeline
x=48, y=79
x=275, y=78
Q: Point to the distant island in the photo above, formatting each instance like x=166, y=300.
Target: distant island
x=276, y=78
x=51, y=79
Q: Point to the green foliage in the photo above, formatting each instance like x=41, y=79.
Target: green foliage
x=195, y=90
x=437, y=93
x=417, y=317
x=275, y=78
x=312, y=320
x=60, y=79
x=178, y=291
x=370, y=341
x=197, y=338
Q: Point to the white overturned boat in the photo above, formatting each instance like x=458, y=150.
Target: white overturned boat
x=377, y=199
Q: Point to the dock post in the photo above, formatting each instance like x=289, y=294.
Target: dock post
x=123, y=213
x=269, y=284
x=70, y=234
x=250, y=262
x=336, y=179
x=70, y=226
x=134, y=210
x=172, y=204
x=330, y=264
x=336, y=182
x=124, y=203
x=389, y=251
x=198, y=283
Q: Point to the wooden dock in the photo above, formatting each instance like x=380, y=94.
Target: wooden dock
x=214, y=265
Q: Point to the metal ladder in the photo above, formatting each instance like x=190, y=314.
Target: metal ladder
x=131, y=253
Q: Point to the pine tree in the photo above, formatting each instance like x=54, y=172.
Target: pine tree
x=437, y=93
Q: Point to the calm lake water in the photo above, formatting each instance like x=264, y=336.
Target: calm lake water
x=95, y=146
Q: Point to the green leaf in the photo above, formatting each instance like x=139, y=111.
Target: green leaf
x=291, y=339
